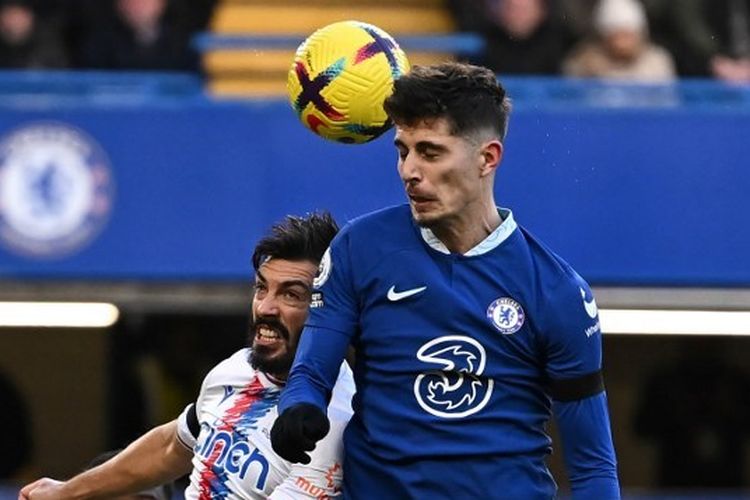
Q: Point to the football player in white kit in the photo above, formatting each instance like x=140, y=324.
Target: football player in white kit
x=222, y=439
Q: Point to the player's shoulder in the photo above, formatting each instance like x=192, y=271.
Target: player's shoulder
x=371, y=238
x=236, y=365
x=561, y=294
x=388, y=220
x=552, y=271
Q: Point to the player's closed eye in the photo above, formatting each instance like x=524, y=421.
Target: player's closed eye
x=294, y=297
x=260, y=289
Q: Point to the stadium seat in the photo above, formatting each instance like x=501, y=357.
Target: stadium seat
x=252, y=42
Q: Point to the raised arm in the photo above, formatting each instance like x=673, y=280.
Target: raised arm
x=323, y=345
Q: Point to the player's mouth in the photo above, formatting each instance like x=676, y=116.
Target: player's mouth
x=269, y=335
x=420, y=202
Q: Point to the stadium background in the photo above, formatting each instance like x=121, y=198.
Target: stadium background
x=641, y=187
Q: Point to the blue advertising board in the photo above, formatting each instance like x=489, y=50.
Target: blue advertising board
x=181, y=187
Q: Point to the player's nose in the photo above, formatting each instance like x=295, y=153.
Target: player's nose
x=267, y=306
x=409, y=170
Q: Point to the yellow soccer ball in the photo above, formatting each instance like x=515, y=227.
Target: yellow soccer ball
x=340, y=77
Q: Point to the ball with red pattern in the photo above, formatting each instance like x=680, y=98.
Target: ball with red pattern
x=340, y=76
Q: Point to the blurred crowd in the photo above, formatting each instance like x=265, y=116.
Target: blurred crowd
x=101, y=34
x=642, y=40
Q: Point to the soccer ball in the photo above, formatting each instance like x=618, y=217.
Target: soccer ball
x=340, y=77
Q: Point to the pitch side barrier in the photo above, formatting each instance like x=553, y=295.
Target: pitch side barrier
x=145, y=177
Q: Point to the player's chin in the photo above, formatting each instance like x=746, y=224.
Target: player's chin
x=272, y=360
x=269, y=351
x=424, y=217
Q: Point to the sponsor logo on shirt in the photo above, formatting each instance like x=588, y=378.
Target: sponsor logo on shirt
x=595, y=328
x=453, y=387
x=224, y=449
x=317, y=300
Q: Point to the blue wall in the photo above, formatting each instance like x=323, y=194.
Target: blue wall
x=656, y=194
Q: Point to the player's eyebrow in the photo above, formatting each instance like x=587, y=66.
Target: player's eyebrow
x=421, y=145
x=291, y=283
x=425, y=145
x=285, y=284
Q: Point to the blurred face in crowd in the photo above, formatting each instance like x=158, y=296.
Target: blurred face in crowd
x=141, y=12
x=283, y=289
x=624, y=44
x=521, y=18
x=16, y=23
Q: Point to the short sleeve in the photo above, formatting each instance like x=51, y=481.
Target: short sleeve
x=186, y=427
x=188, y=423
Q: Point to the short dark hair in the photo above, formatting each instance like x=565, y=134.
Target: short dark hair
x=297, y=238
x=469, y=97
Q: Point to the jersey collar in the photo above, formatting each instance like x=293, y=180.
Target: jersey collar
x=495, y=238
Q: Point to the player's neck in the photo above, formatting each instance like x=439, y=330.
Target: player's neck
x=465, y=231
x=277, y=378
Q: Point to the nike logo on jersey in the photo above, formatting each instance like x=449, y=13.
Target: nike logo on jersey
x=395, y=296
x=590, y=306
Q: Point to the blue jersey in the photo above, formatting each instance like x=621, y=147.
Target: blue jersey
x=458, y=358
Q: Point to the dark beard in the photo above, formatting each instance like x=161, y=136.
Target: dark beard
x=260, y=356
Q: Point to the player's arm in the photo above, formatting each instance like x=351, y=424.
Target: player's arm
x=588, y=450
x=574, y=364
x=155, y=458
x=323, y=345
x=322, y=477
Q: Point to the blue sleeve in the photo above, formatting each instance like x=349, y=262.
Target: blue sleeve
x=572, y=334
x=574, y=359
x=328, y=332
x=587, y=447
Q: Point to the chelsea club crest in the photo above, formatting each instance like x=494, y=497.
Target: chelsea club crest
x=507, y=315
x=55, y=190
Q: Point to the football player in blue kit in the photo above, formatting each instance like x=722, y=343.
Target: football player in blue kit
x=469, y=332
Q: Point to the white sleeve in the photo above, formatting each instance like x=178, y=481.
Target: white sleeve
x=188, y=423
x=322, y=477
x=186, y=430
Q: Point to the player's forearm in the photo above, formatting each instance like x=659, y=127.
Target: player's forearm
x=587, y=447
x=316, y=367
x=155, y=458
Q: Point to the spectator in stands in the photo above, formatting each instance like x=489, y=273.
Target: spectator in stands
x=522, y=36
x=194, y=15
x=24, y=41
x=577, y=16
x=620, y=48
x=141, y=37
x=709, y=37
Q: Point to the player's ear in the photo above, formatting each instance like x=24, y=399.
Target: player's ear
x=492, y=154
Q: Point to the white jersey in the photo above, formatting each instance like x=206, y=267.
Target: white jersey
x=232, y=454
